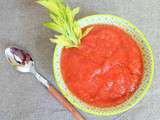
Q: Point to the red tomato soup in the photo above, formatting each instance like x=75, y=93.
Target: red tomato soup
x=106, y=69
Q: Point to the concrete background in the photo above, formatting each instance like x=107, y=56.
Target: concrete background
x=23, y=98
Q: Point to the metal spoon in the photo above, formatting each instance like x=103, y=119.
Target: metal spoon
x=23, y=62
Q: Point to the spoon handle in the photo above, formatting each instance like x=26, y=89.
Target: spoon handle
x=59, y=97
x=65, y=103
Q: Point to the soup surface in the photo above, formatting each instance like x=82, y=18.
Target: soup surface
x=106, y=69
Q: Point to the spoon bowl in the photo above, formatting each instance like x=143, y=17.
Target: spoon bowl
x=23, y=62
x=19, y=59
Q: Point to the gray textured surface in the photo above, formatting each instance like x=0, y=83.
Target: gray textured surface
x=22, y=98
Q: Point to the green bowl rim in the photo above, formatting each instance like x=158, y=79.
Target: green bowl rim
x=136, y=101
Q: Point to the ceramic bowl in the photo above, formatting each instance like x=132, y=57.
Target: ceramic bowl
x=148, y=67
